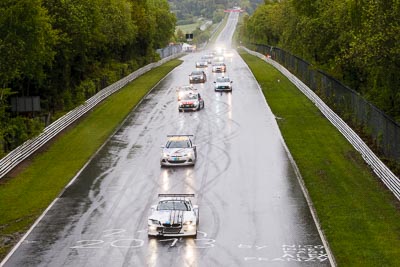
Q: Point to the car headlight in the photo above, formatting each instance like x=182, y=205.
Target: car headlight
x=152, y=222
x=189, y=223
x=165, y=155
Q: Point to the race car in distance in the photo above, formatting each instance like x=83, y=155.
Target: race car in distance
x=223, y=84
x=197, y=76
x=201, y=64
x=218, y=58
x=228, y=53
x=179, y=151
x=174, y=215
x=208, y=58
x=190, y=100
x=219, y=67
x=181, y=90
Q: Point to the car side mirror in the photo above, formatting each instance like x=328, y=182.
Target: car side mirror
x=231, y=81
x=215, y=82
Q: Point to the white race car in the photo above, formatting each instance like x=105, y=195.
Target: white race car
x=219, y=67
x=174, y=215
x=191, y=101
x=179, y=151
x=223, y=84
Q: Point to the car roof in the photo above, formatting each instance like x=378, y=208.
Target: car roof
x=197, y=72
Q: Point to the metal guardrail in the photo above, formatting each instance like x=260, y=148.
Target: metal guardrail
x=380, y=169
x=15, y=157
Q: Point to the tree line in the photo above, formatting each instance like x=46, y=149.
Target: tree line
x=188, y=10
x=356, y=41
x=65, y=51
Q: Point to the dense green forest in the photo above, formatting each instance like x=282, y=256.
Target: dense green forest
x=187, y=11
x=66, y=51
x=356, y=41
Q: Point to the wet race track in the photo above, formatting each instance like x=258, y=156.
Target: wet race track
x=252, y=209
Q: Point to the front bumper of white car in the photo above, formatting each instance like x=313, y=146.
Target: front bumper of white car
x=174, y=160
x=172, y=230
x=189, y=106
x=223, y=88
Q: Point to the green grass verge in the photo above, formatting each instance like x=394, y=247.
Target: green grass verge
x=24, y=197
x=188, y=28
x=359, y=216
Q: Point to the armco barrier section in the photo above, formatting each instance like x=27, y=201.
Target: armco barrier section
x=380, y=169
x=15, y=157
x=349, y=104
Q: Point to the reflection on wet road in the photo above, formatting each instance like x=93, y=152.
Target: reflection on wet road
x=252, y=209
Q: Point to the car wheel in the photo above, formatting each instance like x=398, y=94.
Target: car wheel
x=203, y=106
x=180, y=110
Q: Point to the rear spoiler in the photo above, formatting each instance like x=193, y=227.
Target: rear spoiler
x=176, y=195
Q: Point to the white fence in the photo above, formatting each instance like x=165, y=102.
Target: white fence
x=25, y=150
x=381, y=170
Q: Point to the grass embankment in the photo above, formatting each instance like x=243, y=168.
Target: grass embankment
x=188, y=28
x=24, y=197
x=359, y=216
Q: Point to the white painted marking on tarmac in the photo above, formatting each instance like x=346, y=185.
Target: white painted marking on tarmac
x=90, y=244
x=296, y=253
x=111, y=232
x=130, y=240
x=174, y=240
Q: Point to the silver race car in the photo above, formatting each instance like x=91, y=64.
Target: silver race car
x=223, y=84
x=174, y=215
x=179, y=151
x=202, y=64
x=219, y=67
x=197, y=76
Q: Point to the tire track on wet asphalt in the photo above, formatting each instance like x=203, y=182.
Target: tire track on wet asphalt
x=98, y=201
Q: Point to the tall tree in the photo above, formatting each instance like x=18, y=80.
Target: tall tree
x=27, y=41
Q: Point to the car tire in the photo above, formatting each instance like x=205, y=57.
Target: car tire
x=180, y=110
